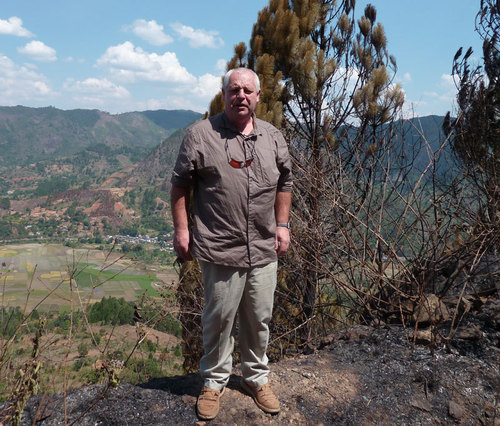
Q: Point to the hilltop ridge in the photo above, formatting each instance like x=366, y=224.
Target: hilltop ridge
x=362, y=375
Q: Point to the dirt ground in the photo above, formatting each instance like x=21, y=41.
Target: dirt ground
x=361, y=375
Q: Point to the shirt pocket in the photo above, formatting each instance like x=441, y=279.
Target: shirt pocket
x=266, y=170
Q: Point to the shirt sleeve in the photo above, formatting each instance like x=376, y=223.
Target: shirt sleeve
x=285, y=181
x=185, y=166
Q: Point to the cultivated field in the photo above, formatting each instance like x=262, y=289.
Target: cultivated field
x=52, y=276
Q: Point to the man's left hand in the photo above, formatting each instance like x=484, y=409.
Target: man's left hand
x=282, y=240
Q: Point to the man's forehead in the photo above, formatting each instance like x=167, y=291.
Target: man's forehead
x=241, y=79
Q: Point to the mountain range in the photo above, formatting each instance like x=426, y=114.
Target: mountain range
x=30, y=135
x=104, y=164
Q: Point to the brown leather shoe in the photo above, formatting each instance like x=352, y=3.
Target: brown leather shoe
x=207, y=405
x=263, y=397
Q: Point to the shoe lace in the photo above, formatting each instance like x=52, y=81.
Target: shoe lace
x=209, y=394
x=265, y=392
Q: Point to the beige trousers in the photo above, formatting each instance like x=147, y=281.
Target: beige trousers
x=229, y=291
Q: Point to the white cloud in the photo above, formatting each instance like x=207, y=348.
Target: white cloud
x=38, y=51
x=220, y=66
x=447, y=82
x=151, y=31
x=208, y=86
x=96, y=93
x=19, y=84
x=435, y=100
x=407, y=77
x=130, y=64
x=70, y=59
x=14, y=26
x=93, y=86
x=431, y=94
x=198, y=38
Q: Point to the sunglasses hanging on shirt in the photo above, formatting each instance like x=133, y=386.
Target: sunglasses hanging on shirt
x=238, y=164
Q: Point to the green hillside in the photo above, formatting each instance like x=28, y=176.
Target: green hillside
x=30, y=135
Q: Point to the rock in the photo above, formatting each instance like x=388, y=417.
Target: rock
x=432, y=310
x=421, y=403
x=356, y=333
x=472, y=332
x=426, y=337
x=455, y=410
x=490, y=313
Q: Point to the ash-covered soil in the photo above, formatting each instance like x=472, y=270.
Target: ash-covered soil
x=361, y=375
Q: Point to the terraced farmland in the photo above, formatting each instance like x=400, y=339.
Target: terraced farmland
x=52, y=276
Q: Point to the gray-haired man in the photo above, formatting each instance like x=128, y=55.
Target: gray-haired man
x=240, y=172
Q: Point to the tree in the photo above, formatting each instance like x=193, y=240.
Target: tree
x=476, y=130
x=336, y=94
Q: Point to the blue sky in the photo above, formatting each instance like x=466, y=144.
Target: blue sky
x=130, y=55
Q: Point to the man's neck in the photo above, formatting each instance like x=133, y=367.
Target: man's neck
x=244, y=127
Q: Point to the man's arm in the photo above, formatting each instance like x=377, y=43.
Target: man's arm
x=282, y=211
x=179, y=201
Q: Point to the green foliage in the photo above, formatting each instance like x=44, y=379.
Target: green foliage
x=168, y=324
x=132, y=230
x=54, y=185
x=111, y=310
x=79, y=363
x=172, y=119
x=146, y=368
x=159, y=224
x=5, y=229
x=93, y=376
x=148, y=202
x=151, y=346
x=75, y=214
x=65, y=320
x=4, y=203
x=12, y=228
x=100, y=148
x=83, y=349
x=126, y=247
x=476, y=130
x=10, y=321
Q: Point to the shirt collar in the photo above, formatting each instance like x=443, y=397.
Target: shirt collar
x=228, y=125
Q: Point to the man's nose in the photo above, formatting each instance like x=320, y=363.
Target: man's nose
x=241, y=93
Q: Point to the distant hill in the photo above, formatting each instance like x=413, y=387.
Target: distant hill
x=169, y=120
x=425, y=135
x=157, y=167
x=422, y=134
x=29, y=135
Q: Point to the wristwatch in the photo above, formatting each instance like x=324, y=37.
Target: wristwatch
x=284, y=225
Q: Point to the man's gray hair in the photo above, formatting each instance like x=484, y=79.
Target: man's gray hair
x=238, y=70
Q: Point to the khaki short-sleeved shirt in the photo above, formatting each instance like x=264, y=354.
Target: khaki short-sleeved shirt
x=234, y=219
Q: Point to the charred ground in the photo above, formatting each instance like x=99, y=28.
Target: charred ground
x=360, y=375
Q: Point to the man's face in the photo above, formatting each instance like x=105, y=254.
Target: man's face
x=240, y=96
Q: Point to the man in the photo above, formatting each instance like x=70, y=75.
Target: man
x=240, y=172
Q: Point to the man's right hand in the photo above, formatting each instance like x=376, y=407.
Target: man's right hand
x=179, y=198
x=181, y=244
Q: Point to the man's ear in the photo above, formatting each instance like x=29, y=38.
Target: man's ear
x=258, y=96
